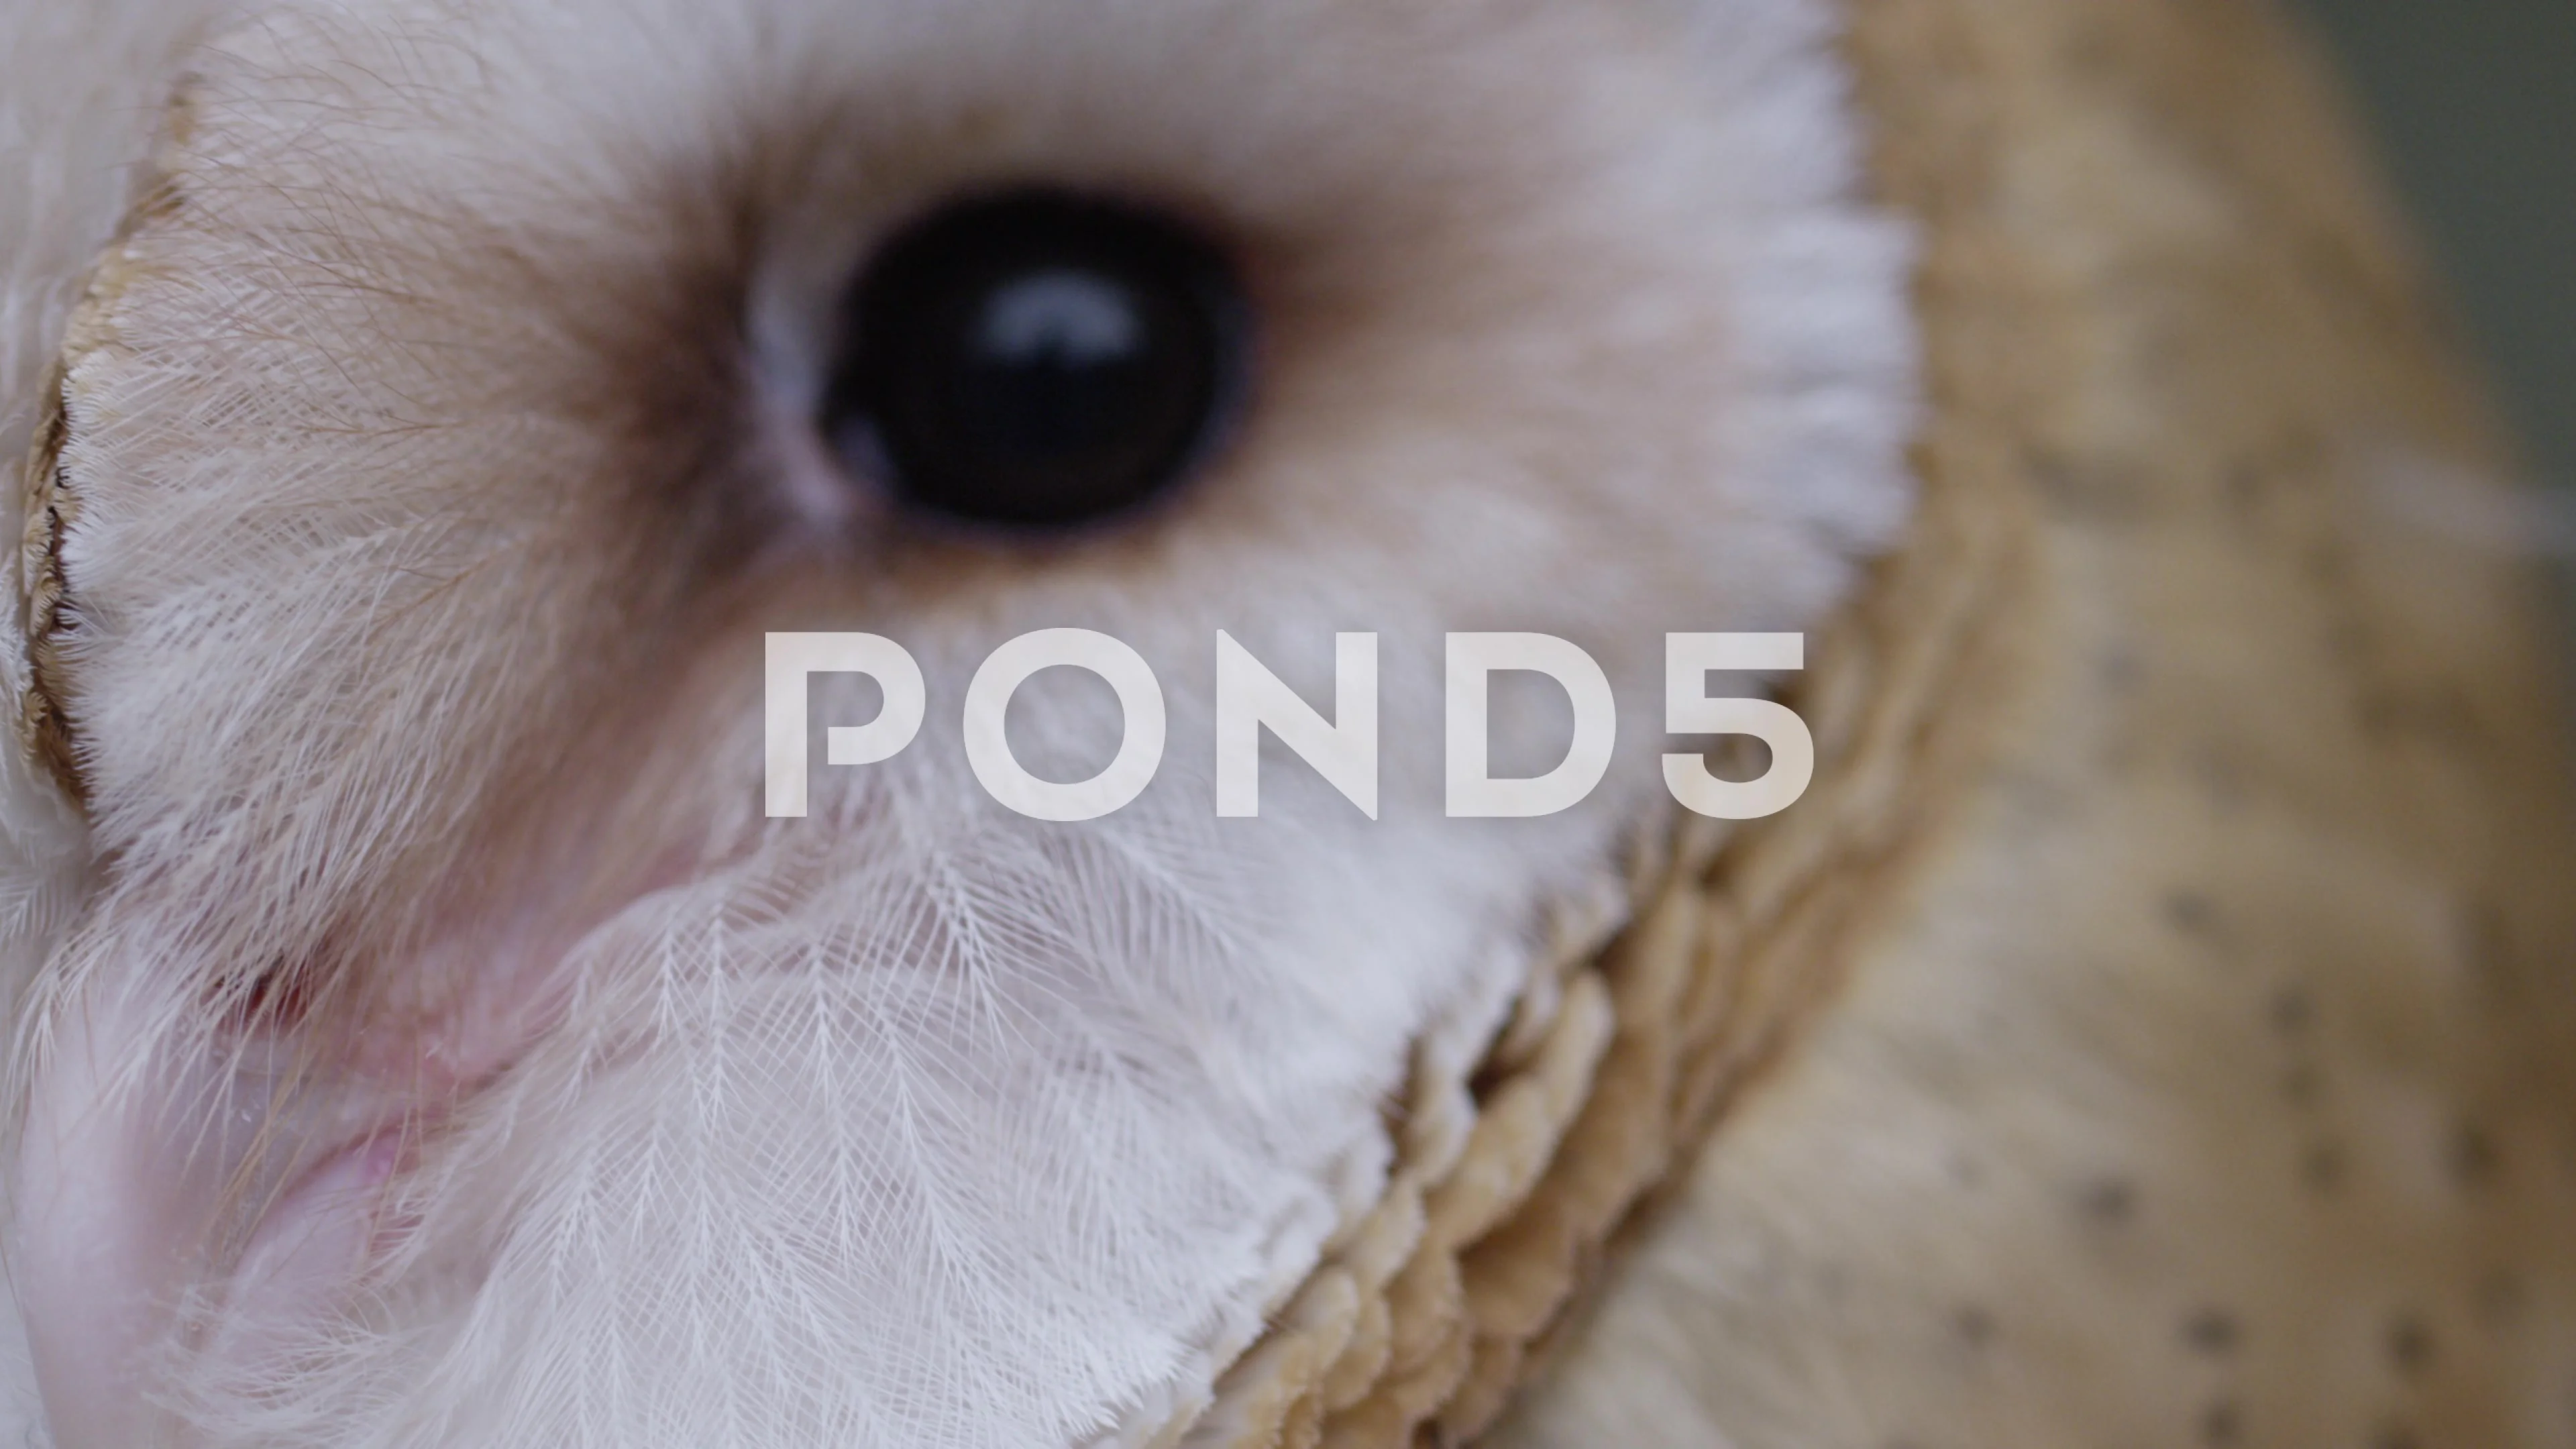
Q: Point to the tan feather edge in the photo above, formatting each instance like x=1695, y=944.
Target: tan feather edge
x=1514, y=1178
x=1512, y=1181
x=44, y=731
x=48, y=502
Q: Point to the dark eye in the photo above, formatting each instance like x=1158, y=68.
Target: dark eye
x=1039, y=358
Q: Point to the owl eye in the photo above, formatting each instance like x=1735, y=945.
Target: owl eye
x=1039, y=359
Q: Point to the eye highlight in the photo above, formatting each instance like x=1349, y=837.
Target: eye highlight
x=1039, y=358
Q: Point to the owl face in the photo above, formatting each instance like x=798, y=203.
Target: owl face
x=442, y=1046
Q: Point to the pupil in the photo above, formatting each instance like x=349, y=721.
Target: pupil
x=1039, y=359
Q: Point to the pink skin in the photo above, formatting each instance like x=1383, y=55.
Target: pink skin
x=123, y=1175
x=127, y=1165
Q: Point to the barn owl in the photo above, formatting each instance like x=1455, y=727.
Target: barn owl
x=2150, y=1028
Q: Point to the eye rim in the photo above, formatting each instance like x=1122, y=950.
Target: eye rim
x=1213, y=278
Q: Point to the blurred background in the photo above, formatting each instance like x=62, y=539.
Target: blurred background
x=2474, y=104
